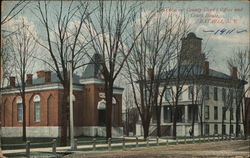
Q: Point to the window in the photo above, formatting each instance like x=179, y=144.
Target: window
x=206, y=115
x=190, y=92
x=215, y=129
x=180, y=95
x=19, y=109
x=192, y=112
x=205, y=92
x=102, y=112
x=19, y=112
x=180, y=113
x=231, y=114
x=215, y=113
x=223, y=129
x=206, y=129
x=215, y=93
x=168, y=94
x=224, y=113
x=167, y=114
x=223, y=94
x=37, y=114
x=231, y=129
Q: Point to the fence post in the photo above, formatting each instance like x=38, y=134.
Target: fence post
x=75, y=144
x=200, y=139
x=157, y=141
x=208, y=138
x=193, y=140
x=28, y=149
x=94, y=144
x=54, y=146
x=204, y=139
x=136, y=141
x=109, y=143
x=167, y=141
x=147, y=142
x=176, y=141
x=185, y=140
x=123, y=143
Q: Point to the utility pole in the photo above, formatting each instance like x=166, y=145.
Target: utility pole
x=72, y=144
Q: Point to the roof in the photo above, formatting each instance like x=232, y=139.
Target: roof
x=54, y=79
x=93, y=68
x=198, y=70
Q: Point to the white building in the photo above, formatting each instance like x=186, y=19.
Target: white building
x=213, y=105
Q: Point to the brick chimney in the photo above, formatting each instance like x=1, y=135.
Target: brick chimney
x=234, y=73
x=47, y=76
x=29, y=79
x=206, y=68
x=40, y=74
x=150, y=73
x=12, y=81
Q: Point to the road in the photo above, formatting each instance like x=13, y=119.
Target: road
x=229, y=149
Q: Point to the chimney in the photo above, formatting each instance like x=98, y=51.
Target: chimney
x=150, y=73
x=29, y=79
x=47, y=76
x=234, y=73
x=12, y=81
x=206, y=68
x=40, y=74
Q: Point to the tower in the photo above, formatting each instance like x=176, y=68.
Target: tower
x=191, y=50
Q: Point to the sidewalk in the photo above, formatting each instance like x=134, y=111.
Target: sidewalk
x=114, y=144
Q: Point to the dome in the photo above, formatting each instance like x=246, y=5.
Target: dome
x=191, y=35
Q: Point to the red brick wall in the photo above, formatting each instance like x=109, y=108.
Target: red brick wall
x=9, y=109
x=85, y=108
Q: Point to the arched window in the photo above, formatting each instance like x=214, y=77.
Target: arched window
x=19, y=103
x=37, y=108
x=102, y=112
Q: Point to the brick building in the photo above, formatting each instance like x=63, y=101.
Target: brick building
x=44, y=99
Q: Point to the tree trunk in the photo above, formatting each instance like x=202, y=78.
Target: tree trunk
x=237, y=120
x=109, y=95
x=193, y=120
x=145, y=125
x=201, y=121
x=158, y=117
x=222, y=124
x=24, y=117
x=174, y=121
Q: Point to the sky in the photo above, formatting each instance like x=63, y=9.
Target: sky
x=223, y=25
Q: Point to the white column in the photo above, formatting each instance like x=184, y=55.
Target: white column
x=162, y=114
x=186, y=113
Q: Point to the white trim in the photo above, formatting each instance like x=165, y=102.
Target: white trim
x=19, y=100
x=40, y=88
x=36, y=98
x=117, y=91
x=91, y=81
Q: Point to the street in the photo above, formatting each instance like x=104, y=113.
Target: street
x=238, y=149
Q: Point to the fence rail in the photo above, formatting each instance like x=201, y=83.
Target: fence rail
x=123, y=143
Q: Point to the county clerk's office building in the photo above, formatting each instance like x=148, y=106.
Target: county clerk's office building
x=216, y=85
x=44, y=99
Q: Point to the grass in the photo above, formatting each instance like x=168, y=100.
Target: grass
x=36, y=154
x=9, y=143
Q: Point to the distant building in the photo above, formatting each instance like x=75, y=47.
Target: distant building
x=44, y=100
x=209, y=87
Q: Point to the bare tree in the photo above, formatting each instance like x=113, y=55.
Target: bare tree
x=21, y=53
x=239, y=61
x=111, y=29
x=65, y=43
x=4, y=58
x=150, y=63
